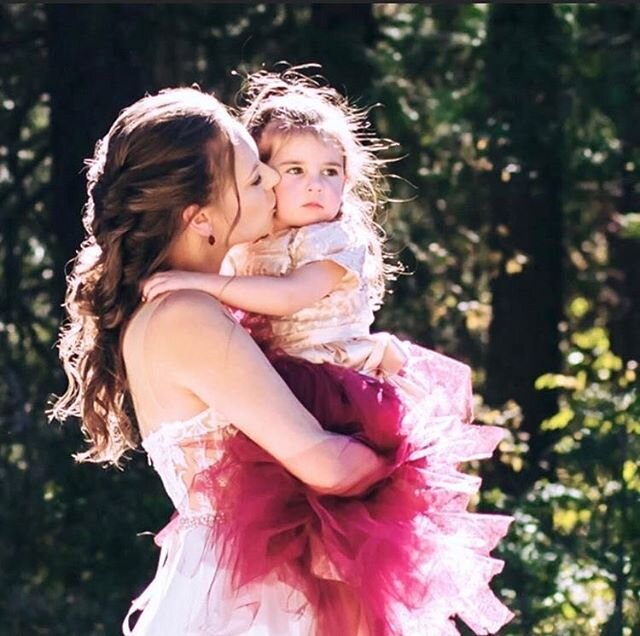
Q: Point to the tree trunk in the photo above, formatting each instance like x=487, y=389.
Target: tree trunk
x=524, y=58
x=621, y=95
x=97, y=66
x=340, y=36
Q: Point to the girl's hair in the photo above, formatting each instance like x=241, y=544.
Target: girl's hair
x=162, y=154
x=288, y=103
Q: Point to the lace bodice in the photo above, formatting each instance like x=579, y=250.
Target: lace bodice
x=179, y=450
x=343, y=314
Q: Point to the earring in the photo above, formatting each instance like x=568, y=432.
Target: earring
x=211, y=239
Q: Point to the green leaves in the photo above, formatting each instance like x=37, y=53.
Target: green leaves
x=597, y=477
x=629, y=225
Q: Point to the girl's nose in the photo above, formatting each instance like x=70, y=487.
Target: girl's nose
x=314, y=183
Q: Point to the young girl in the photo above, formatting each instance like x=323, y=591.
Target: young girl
x=409, y=548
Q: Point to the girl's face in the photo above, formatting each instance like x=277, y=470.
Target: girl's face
x=255, y=181
x=312, y=180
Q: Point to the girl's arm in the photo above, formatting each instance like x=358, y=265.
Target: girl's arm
x=268, y=295
x=210, y=355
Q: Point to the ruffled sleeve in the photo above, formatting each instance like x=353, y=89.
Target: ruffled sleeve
x=235, y=260
x=329, y=241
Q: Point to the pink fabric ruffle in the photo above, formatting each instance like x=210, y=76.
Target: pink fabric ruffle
x=408, y=549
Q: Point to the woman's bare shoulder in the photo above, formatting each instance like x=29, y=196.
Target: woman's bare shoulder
x=185, y=316
x=189, y=305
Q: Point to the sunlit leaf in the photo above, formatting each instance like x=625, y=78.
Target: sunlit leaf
x=559, y=421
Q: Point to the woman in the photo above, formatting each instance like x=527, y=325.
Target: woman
x=175, y=183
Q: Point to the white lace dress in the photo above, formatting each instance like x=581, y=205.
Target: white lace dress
x=190, y=593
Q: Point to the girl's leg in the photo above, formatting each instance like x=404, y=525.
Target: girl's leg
x=356, y=621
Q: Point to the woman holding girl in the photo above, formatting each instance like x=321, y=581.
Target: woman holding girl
x=175, y=185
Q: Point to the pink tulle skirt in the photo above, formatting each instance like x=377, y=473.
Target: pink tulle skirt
x=409, y=554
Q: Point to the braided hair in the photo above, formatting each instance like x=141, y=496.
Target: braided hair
x=162, y=154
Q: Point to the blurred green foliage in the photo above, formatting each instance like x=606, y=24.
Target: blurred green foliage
x=70, y=560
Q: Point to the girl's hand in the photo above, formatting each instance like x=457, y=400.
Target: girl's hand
x=172, y=281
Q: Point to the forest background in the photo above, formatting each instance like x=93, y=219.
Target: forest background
x=517, y=216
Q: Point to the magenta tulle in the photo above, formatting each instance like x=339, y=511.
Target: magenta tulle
x=395, y=546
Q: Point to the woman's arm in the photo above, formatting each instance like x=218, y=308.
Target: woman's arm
x=268, y=295
x=210, y=355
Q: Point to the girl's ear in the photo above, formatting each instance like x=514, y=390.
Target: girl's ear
x=195, y=218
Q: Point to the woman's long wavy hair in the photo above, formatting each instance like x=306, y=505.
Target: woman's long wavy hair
x=280, y=104
x=162, y=154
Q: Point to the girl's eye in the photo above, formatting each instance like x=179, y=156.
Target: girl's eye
x=332, y=172
x=294, y=170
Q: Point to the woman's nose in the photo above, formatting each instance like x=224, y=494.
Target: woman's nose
x=272, y=177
